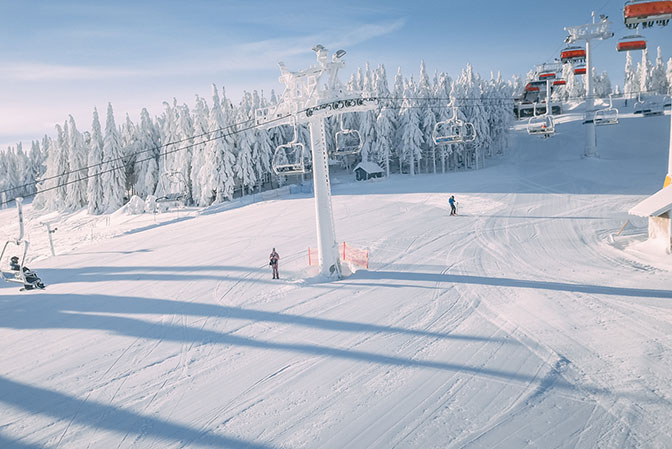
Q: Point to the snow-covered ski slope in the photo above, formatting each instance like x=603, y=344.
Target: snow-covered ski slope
x=523, y=322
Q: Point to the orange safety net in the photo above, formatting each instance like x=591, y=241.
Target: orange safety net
x=347, y=253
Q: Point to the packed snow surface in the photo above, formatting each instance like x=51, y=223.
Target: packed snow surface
x=526, y=321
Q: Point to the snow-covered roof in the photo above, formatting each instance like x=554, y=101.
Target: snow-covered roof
x=369, y=167
x=657, y=204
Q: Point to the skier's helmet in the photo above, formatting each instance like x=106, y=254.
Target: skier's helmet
x=15, y=259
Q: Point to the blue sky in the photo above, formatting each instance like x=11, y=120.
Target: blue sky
x=65, y=57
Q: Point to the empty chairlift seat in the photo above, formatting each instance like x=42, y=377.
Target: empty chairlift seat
x=647, y=13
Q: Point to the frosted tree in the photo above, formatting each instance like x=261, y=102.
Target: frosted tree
x=37, y=158
x=427, y=118
x=129, y=142
x=146, y=164
x=169, y=143
x=367, y=124
x=575, y=89
x=644, y=69
x=386, y=123
x=78, y=160
x=94, y=189
x=669, y=74
x=200, y=126
x=114, y=172
x=412, y=136
x=216, y=174
x=53, y=187
x=659, y=82
x=467, y=96
x=244, y=166
x=602, y=84
x=396, y=104
x=631, y=77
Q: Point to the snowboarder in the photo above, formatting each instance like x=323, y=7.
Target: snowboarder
x=453, y=205
x=274, y=263
x=32, y=280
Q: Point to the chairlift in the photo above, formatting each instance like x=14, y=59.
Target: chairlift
x=580, y=70
x=647, y=13
x=19, y=276
x=289, y=158
x=648, y=108
x=453, y=130
x=348, y=141
x=573, y=55
x=606, y=116
x=631, y=43
x=543, y=125
x=172, y=188
x=529, y=87
x=559, y=82
x=547, y=75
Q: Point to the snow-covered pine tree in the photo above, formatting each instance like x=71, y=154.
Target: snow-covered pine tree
x=385, y=122
x=129, y=142
x=94, y=189
x=245, y=159
x=37, y=158
x=659, y=84
x=412, y=136
x=78, y=159
x=396, y=104
x=442, y=93
x=427, y=118
x=631, y=77
x=183, y=151
x=114, y=173
x=146, y=164
x=644, y=69
x=200, y=123
x=367, y=123
x=467, y=96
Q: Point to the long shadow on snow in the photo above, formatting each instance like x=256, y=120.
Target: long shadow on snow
x=8, y=443
x=159, y=331
x=145, y=273
x=41, y=401
x=52, y=311
x=508, y=282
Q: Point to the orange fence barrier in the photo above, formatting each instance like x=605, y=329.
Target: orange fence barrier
x=347, y=253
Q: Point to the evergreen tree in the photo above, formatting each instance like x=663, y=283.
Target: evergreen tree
x=114, y=172
x=244, y=165
x=200, y=118
x=94, y=189
x=659, y=82
x=631, y=78
x=148, y=147
x=78, y=159
x=385, y=123
x=644, y=69
x=412, y=137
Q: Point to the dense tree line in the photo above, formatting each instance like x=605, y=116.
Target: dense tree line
x=216, y=151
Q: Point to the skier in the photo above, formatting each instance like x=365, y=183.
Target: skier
x=453, y=205
x=274, y=263
x=32, y=280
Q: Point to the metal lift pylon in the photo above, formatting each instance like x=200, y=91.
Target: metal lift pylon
x=311, y=95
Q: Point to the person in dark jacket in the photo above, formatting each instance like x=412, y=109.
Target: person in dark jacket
x=32, y=280
x=274, y=258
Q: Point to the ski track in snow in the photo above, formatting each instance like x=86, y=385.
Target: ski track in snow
x=513, y=324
